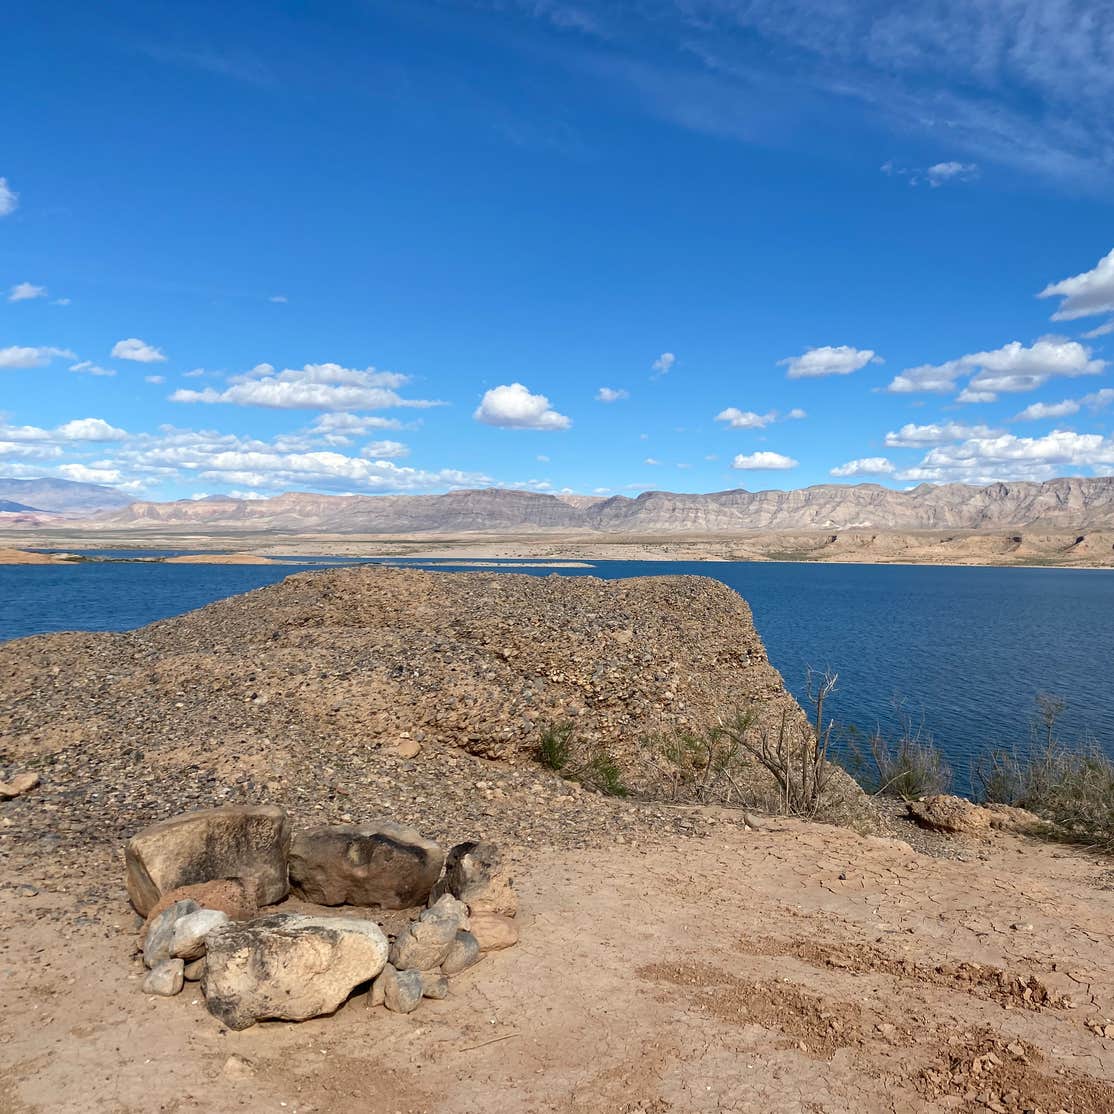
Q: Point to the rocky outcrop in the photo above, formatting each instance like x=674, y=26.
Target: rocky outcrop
x=475, y=875
x=289, y=966
x=956, y=815
x=245, y=842
x=380, y=863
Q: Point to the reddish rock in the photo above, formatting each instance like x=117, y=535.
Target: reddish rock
x=227, y=896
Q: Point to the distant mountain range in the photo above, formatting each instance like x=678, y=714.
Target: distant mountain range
x=60, y=497
x=1064, y=504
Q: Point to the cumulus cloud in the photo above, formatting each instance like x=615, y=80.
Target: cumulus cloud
x=1011, y=368
x=663, y=364
x=1040, y=410
x=94, y=475
x=651, y=460
x=1085, y=294
x=512, y=406
x=138, y=350
x=748, y=419
x=26, y=292
x=16, y=356
x=342, y=428
x=153, y=378
x=745, y=419
x=763, y=462
x=384, y=450
x=9, y=199
x=87, y=367
x=313, y=387
x=1007, y=457
x=865, y=466
x=933, y=176
x=829, y=360
x=76, y=430
x=611, y=394
x=920, y=436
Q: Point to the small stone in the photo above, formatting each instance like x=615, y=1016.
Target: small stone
x=408, y=748
x=160, y=935
x=188, y=941
x=463, y=953
x=402, y=990
x=195, y=971
x=238, y=1067
x=493, y=932
x=434, y=984
x=165, y=978
x=424, y=943
x=18, y=785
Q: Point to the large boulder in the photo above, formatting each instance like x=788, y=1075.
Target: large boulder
x=475, y=874
x=246, y=842
x=288, y=966
x=952, y=815
x=380, y=863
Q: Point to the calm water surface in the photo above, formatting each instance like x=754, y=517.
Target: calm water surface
x=966, y=649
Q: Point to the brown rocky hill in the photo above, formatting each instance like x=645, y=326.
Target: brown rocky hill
x=1068, y=504
x=320, y=676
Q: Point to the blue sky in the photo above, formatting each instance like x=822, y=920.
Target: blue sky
x=674, y=244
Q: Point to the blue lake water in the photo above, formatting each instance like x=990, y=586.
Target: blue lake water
x=966, y=649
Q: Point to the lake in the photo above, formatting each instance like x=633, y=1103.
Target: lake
x=964, y=649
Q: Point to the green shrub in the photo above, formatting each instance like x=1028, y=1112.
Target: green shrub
x=556, y=749
x=911, y=768
x=555, y=746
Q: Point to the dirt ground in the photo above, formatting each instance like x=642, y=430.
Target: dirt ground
x=799, y=968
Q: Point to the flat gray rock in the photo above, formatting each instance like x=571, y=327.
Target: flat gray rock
x=188, y=939
x=160, y=933
x=424, y=943
x=165, y=978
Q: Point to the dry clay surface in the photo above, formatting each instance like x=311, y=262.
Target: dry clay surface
x=799, y=968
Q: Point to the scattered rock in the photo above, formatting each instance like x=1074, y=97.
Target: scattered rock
x=474, y=873
x=943, y=813
x=401, y=990
x=434, y=983
x=238, y=1067
x=165, y=978
x=1008, y=818
x=424, y=943
x=464, y=952
x=408, y=748
x=18, y=785
x=190, y=931
x=493, y=932
x=234, y=841
x=229, y=895
x=289, y=966
x=160, y=936
x=380, y=863
x=195, y=971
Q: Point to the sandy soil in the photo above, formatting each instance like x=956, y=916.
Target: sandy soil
x=26, y=557
x=799, y=968
x=218, y=559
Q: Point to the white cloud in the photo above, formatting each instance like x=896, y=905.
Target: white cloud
x=745, y=419
x=943, y=172
x=920, y=436
x=194, y=373
x=341, y=428
x=154, y=379
x=1097, y=400
x=651, y=460
x=138, y=350
x=663, y=365
x=26, y=292
x=384, y=450
x=16, y=356
x=1099, y=331
x=829, y=360
x=9, y=199
x=76, y=430
x=86, y=475
x=60, y=302
x=1006, y=457
x=313, y=387
x=542, y=458
x=1008, y=369
x=796, y=414
x=278, y=299
x=1038, y=411
x=609, y=394
x=866, y=466
x=763, y=461
x=1084, y=294
x=87, y=367
x=512, y=406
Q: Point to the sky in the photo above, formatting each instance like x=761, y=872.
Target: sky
x=684, y=245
